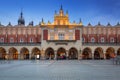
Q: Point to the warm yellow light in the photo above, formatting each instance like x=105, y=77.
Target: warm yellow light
x=56, y=37
x=66, y=37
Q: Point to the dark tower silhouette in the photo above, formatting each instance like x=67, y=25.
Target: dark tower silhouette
x=21, y=20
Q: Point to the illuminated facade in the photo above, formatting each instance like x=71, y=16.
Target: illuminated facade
x=59, y=40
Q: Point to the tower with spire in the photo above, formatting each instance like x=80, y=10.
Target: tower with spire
x=61, y=19
x=21, y=20
x=61, y=11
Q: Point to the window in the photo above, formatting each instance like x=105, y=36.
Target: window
x=21, y=40
x=1, y=40
x=31, y=40
x=11, y=40
x=92, y=40
x=51, y=30
x=51, y=37
x=102, y=40
x=70, y=37
x=70, y=30
x=83, y=39
x=112, y=40
x=61, y=36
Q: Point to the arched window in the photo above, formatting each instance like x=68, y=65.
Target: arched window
x=102, y=40
x=21, y=40
x=92, y=40
x=83, y=39
x=2, y=40
x=11, y=40
x=31, y=40
x=112, y=40
x=61, y=36
x=51, y=37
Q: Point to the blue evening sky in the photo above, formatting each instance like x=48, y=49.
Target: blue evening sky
x=92, y=11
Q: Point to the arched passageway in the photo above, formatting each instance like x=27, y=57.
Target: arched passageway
x=49, y=54
x=2, y=53
x=73, y=53
x=87, y=53
x=61, y=54
x=13, y=53
x=110, y=53
x=24, y=53
x=98, y=53
x=36, y=54
x=118, y=51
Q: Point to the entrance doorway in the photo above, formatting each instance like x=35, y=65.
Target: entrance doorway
x=49, y=53
x=24, y=53
x=13, y=53
x=87, y=53
x=98, y=53
x=110, y=53
x=118, y=52
x=36, y=54
x=73, y=53
x=2, y=53
x=61, y=54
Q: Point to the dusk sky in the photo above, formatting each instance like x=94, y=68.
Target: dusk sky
x=92, y=11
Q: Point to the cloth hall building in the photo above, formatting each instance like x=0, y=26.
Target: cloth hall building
x=59, y=40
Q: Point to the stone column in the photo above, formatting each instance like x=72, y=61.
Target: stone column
x=92, y=55
x=30, y=55
x=115, y=52
x=80, y=54
x=104, y=55
x=7, y=55
x=42, y=54
x=67, y=54
x=55, y=55
x=19, y=56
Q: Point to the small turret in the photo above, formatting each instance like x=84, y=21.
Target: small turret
x=80, y=22
x=89, y=24
x=118, y=23
x=99, y=23
x=49, y=22
x=108, y=24
x=21, y=20
x=61, y=8
x=42, y=22
x=31, y=23
x=9, y=24
x=61, y=11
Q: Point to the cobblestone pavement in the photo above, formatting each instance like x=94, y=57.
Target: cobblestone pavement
x=59, y=70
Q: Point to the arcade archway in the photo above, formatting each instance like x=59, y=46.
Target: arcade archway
x=118, y=51
x=61, y=54
x=2, y=53
x=110, y=53
x=24, y=53
x=49, y=53
x=98, y=53
x=35, y=53
x=73, y=53
x=13, y=53
x=87, y=53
